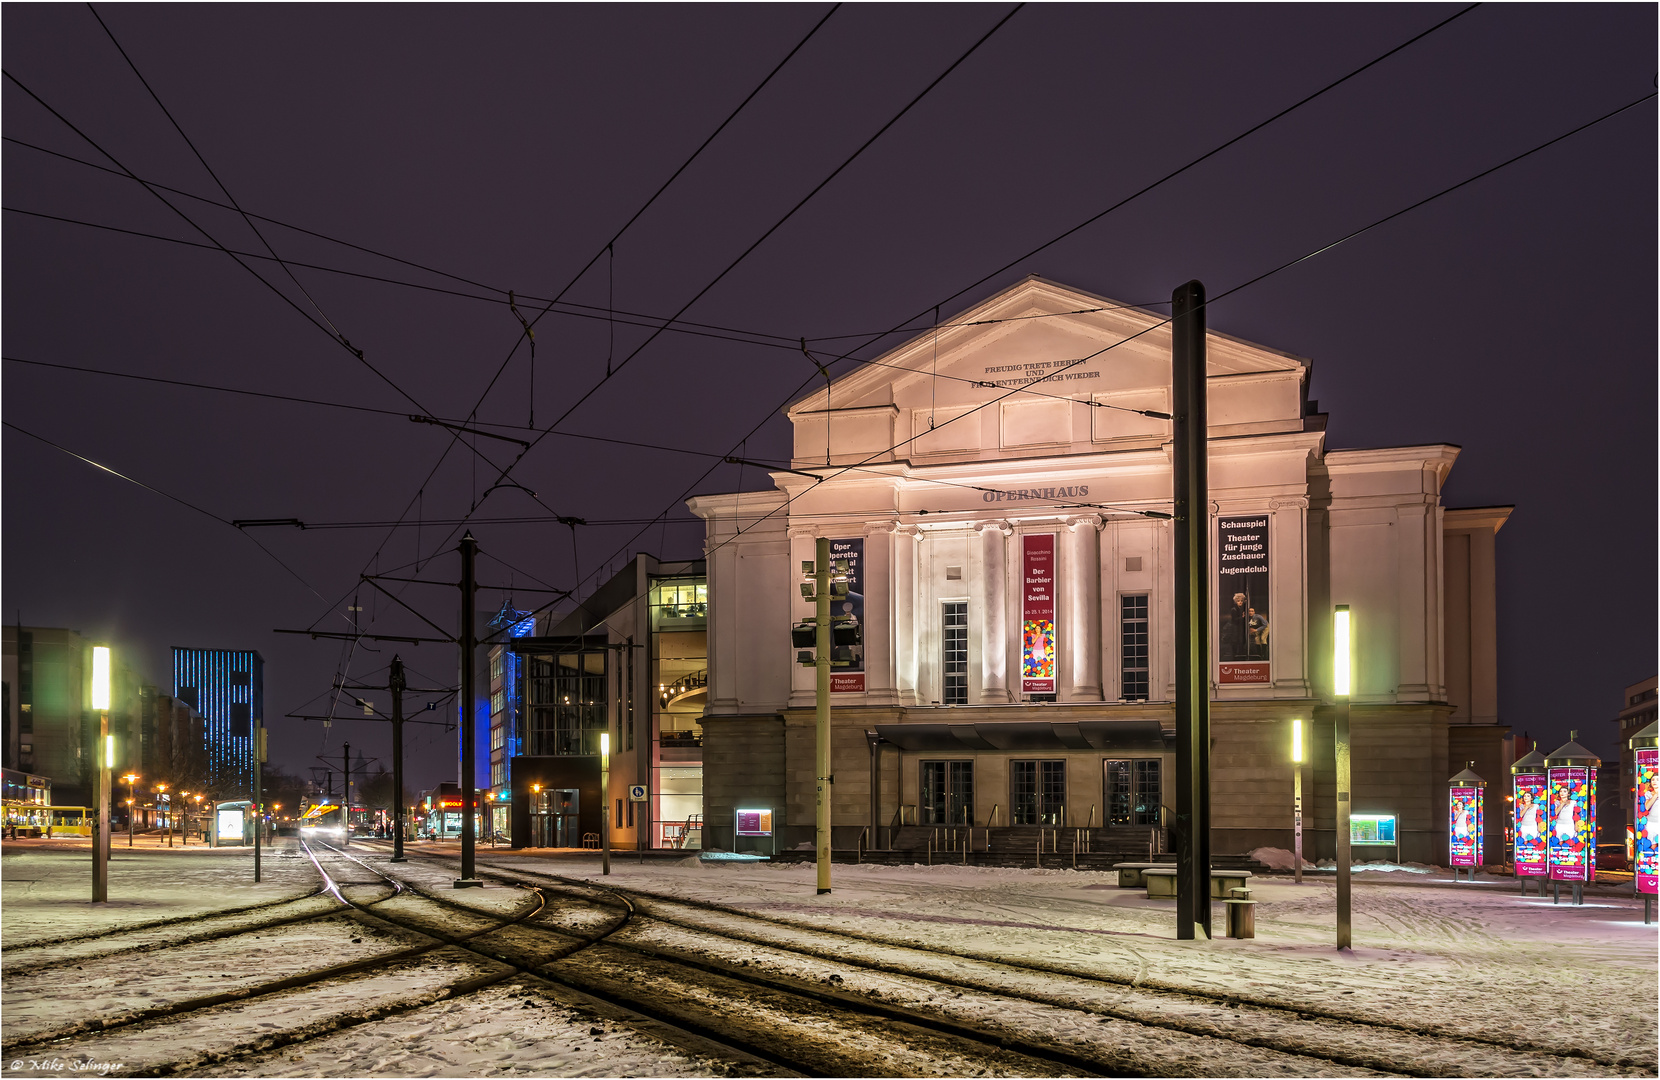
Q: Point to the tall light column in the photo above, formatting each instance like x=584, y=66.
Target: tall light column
x=1342, y=664
x=105, y=751
x=821, y=713
x=605, y=802
x=1297, y=795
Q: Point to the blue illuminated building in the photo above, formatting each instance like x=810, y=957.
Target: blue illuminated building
x=503, y=707
x=227, y=687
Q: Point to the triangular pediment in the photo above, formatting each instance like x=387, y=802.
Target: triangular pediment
x=1038, y=364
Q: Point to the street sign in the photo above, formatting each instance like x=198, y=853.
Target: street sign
x=637, y=793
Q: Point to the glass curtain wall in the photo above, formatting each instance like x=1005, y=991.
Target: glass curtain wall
x=566, y=705
x=679, y=690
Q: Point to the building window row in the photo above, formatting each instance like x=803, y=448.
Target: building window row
x=1037, y=792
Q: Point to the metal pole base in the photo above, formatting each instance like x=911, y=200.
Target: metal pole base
x=469, y=883
x=1648, y=908
x=1579, y=897
x=397, y=858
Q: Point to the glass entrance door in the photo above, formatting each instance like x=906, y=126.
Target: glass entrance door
x=555, y=818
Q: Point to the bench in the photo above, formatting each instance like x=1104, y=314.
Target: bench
x=1129, y=873
x=1161, y=882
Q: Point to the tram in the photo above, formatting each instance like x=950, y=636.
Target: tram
x=36, y=819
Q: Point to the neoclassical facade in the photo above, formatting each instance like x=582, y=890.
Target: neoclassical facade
x=996, y=489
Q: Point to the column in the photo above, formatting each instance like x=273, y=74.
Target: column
x=881, y=688
x=1081, y=640
x=994, y=638
x=906, y=659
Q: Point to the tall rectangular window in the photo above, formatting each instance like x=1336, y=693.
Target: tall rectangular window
x=948, y=793
x=1037, y=792
x=1133, y=792
x=1132, y=649
x=954, y=658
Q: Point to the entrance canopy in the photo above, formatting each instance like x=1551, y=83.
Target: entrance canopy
x=1027, y=736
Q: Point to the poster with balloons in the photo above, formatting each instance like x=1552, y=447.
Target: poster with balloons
x=1464, y=826
x=1531, y=809
x=1648, y=823
x=1573, y=823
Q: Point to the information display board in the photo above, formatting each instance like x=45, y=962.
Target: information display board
x=1372, y=829
x=1464, y=826
x=1573, y=822
x=1647, y=863
x=756, y=822
x=230, y=826
x=1037, y=614
x=1530, y=822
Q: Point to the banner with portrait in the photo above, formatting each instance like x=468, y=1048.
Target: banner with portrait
x=1530, y=805
x=1464, y=826
x=849, y=678
x=1573, y=823
x=1242, y=630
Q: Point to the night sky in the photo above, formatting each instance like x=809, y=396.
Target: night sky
x=507, y=145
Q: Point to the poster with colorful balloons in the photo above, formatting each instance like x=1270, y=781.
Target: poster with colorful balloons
x=1530, y=807
x=1648, y=823
x=1573, y=823
x=1464, y=826
x=1037, y=614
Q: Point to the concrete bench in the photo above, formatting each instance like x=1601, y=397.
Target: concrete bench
x=1129, y=873
x=1161, y=882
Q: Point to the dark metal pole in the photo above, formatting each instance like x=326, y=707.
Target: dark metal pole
x=1192, y=536
x=396, y=684
x=469, y=797
x=346, y=798
x=259, y=795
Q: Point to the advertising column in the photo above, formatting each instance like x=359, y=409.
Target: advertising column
x=1242, y=600
x=1037, y=614
x=850, y=678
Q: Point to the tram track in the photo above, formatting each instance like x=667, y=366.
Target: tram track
x=1301, y=1030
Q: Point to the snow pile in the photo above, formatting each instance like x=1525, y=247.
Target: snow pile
x=1277, y=858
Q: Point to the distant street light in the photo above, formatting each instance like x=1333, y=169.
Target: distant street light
x=1297, y=795
x=161, y=790
x=130, y=778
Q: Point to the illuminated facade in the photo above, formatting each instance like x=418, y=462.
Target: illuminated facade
x=227, y=688
x=1006, y=503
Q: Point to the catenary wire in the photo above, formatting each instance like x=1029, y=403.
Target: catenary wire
x=765, y=235
x=1228, y=292
x=164, y=494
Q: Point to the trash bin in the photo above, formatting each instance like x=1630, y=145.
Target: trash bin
x=1242, y=918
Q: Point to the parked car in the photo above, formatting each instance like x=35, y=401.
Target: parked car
x=1612, y=857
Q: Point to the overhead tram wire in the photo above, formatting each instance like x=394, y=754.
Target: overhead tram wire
x=221, y=184
x=1125, y=201
x=166, y=495
x=1228, y=292
x=774, y=228
x=608, y=247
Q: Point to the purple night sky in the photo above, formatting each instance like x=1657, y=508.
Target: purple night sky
x=507, y=144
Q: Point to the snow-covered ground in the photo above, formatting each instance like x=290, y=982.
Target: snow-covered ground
x=1468, y=959
x=1473, y=959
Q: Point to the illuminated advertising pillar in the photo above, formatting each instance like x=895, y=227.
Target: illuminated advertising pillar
x=1646, y=826
x=1571, y=771
x=1464, y=821
x=1530, y=817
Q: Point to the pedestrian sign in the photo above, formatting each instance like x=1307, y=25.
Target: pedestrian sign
x=637, y=793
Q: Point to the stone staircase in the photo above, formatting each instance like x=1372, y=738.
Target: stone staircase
x=1014, y=846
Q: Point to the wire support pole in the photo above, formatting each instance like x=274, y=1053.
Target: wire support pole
x=395, y=682
x=1192, y=527
x=821, y=577
x=469, y=644
x=101, y=827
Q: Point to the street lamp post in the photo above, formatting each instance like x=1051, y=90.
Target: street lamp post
x=605, y=802
x=131, y=797
x=161, y=792
x=1342, y=664
x=1297, y=796
x=101, y=837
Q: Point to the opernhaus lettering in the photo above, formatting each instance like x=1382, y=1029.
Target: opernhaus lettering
x=1074, y=491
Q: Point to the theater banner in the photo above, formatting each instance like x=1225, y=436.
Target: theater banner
x=1037, y=614
x=1464, y=826
x=1573, y=823
x=1648, y=823
x=849, y=679
x=1242, y=630
x=1531, y=806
